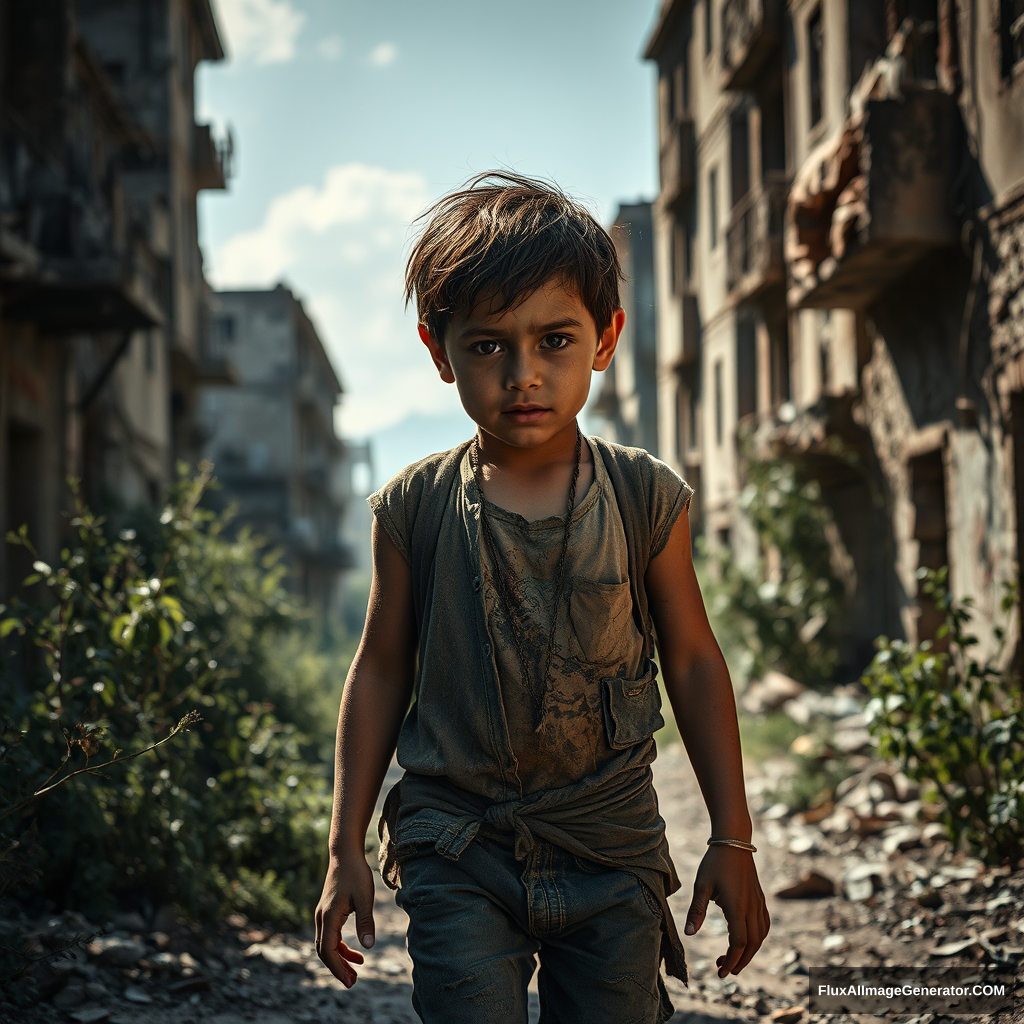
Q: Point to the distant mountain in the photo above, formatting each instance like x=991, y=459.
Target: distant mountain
x=414, y=438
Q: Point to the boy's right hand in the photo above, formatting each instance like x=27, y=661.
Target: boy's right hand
x=348, y=889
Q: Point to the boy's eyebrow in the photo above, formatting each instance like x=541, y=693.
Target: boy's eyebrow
x=497, y=332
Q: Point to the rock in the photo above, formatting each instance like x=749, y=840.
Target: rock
x=161, y=940
x=116, y=951
x=96, y=990
x=805, y=843
x=236, y=920
x=850, y=741
x=933, y=833
x=776, y=811
x=839, y=821
x=134, y=994
x=798, y=967
x=190, y=985
x=906, y=788
x=861, y=880
x=90, y=1014
x=813, y=885
x=769, y=692
x=787, y=1014
x=903, y=837
x=132, y=922
x=833, y=942
x=71, y=995
x=805, y=746
x=952, y=948
x=870, y=825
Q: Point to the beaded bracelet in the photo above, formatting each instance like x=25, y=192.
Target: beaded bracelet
x=738, y=843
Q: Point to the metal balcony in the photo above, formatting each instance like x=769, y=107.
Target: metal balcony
x=211, y=157
x=754, y=240
x=677, y=162
x=751, y=30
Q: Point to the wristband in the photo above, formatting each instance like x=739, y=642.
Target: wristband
x=738, y=843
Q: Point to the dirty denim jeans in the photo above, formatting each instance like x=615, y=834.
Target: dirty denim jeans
x=476, y=925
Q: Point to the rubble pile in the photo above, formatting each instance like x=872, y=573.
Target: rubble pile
x=132, y=971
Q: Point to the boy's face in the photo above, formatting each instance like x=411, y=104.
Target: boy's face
x=523, y=375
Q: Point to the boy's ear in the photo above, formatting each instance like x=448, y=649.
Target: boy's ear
x=609, y=339
x=437, y=353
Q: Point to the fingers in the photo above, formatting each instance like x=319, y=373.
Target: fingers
x=698, y=907
x=334, y=954
x=737, y=945
x=363, y=900
x=746, y=938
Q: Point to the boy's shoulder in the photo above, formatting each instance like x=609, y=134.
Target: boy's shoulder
x=416, y=493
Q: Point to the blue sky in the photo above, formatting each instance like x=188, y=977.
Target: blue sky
x=349, y=117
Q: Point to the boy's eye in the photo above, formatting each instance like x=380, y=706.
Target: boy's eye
x=557, y=341
x=485, y=347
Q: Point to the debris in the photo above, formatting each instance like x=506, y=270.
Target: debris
x=813, y=885
x=861, y=880
x=134, y=994
x=161, y=940
x=833, y=942
x=90, y=1014
x=952, y=948
x=116, y=950
x=904, y=837
x=769, y=692
x=849, y=741
x=804, y=843
x=776, y=811
x=197, y=983
x=787, y=1014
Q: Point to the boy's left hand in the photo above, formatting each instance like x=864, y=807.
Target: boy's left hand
x=727, y=875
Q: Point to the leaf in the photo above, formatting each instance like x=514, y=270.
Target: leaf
x=9, y=625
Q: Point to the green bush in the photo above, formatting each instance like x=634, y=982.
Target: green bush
x=956, y=723
x=141, y=627
x=780, y=610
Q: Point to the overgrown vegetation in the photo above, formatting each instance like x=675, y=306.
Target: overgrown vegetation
x=140, y=628
x=955, y=721
x=779, y=610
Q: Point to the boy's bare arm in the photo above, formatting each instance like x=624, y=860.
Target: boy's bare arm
x=375, y=700
x=700, y=691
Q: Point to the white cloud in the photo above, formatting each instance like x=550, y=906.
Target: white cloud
x=263, y=30
x=330, y=47
x=341, y=245
x=383, y=55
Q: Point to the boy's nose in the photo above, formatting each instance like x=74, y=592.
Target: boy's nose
x=523, y=373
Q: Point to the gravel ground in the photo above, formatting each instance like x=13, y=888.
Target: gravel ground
x=891, y=908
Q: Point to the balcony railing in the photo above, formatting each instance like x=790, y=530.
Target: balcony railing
x=751, y=30
x=754, y=239
x=211, y=157
x=677, y=162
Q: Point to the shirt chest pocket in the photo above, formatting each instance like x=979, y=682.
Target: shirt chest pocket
x=603, y=630
x=632, y=710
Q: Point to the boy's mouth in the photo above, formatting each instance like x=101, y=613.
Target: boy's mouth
x=528, y=412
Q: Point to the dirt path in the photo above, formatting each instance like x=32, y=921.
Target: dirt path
x=246, y=974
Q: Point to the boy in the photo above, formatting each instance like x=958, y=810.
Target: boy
x=515, y=582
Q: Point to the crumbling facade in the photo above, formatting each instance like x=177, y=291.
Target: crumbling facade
x=272, y=438
x=102, y=295
x=866, y=163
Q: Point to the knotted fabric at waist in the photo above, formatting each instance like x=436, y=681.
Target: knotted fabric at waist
x=610, y=818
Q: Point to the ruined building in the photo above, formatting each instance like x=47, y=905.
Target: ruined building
x=272, y=439
x=626, y=408
x=101, y=285
x=839, y=243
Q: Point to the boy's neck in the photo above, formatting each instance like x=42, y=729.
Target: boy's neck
x=506, y=458
x=533, y=481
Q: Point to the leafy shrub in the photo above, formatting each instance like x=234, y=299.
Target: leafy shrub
x=779, y=610
x=956, y=723
x=140, y=628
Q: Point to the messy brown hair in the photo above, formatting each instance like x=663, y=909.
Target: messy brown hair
x=503, y=235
